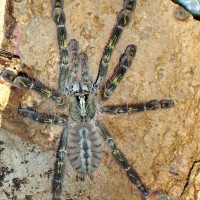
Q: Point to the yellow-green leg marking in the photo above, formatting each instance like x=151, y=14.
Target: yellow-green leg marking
x=60, y=165
x=42, y=118
x=120, y=71
x=123, y=20
x=123, y=162
x=59, y=19
x=141, y=107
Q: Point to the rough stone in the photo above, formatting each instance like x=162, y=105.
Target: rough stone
x=162, y=145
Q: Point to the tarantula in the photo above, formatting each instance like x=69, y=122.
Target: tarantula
x=81, y=140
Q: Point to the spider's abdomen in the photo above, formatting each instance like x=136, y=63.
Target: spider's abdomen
x=84, y=149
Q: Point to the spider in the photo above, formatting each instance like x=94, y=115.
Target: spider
x=81, y=139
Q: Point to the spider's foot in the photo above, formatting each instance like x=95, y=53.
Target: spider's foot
x=57, y=3
x=57, y=189
x=130, y=5
x=8, y=76
x=167, y=104
x=143, y=191
x=163, y=104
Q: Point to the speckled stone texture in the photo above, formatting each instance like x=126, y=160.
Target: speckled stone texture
x=2, y=12
x=162, y=145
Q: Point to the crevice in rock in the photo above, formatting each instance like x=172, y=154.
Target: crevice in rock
x=188, y=177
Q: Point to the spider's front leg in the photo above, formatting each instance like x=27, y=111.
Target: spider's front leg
x=134, y=108
x=124, y=64
x=22, y=82
x=120, y=158
x=59, y=18
x=123, y=20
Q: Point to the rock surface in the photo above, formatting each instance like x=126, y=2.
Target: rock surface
x=2, y=13
x=162, y=145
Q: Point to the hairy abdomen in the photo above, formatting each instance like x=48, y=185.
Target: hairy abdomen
x=84, y=149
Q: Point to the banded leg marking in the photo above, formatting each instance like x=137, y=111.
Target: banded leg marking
x=124, y=18
x=59, y=19
x=27, y=83
x=123, y=162
x=60, y=165
x=120, y=71
x=151, y=105
x=41, y=118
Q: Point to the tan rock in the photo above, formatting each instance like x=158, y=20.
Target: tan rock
x=162, y=145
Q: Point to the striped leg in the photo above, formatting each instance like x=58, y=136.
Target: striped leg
x=27, y=83
x=42, y=118
x=124, y=64
x=84, y=70
x=60, y=165
x=123, y=20
x=59, y=18
x=151, y=105
x=120, y=158
x=74, y=61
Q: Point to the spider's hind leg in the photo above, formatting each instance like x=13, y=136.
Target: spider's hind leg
x=124, y=64
x=60, y=165
x=120, y=158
